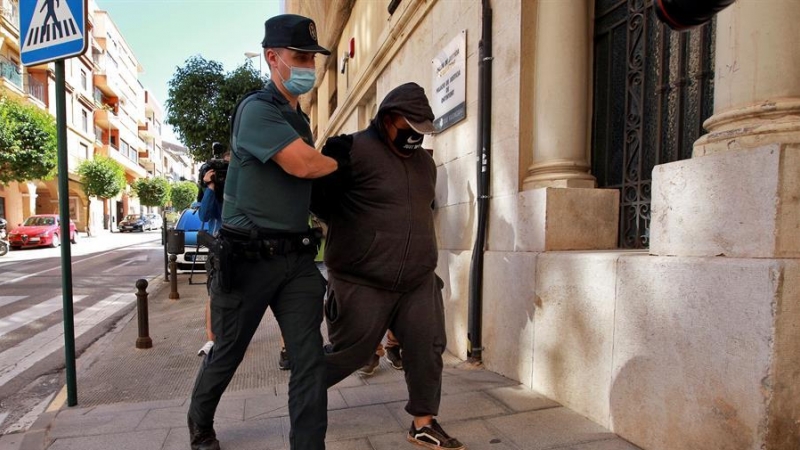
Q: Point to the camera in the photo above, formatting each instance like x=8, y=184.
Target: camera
x=681, y=15
x=220, y=167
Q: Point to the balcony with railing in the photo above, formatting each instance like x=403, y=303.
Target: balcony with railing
x=99, y=60
x=99, y=137
x=129, y=160
x=11, y=72
x=106, y=118
x=146, y=131
x=35, y=89
x=10, y=21
x=146, y=157
x=106, y=78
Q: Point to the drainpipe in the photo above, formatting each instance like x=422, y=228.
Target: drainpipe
x=475, y=346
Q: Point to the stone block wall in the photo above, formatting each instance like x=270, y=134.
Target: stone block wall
x=669, y=352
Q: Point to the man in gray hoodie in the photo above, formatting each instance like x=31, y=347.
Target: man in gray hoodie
x=381, y=254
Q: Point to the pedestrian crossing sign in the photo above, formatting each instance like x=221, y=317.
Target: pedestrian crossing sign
x=51, y=30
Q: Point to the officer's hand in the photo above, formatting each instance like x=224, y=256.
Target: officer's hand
x=327, y=190
x=338, y=148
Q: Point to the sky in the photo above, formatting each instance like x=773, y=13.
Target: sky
x=163, y=34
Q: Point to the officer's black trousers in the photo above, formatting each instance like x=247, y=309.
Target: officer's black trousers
x=358, y=316
x=293, y=287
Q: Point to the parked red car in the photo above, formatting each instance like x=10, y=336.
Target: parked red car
x=41, y=230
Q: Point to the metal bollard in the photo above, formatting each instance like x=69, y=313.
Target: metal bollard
x=173, y=280
x=164, y=243
x=143, y=341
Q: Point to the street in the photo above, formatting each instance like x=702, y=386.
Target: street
x=104, y=270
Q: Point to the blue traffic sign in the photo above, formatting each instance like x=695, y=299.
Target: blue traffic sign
x=51, y=30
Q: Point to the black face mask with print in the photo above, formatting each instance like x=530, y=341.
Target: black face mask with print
x=407, y=141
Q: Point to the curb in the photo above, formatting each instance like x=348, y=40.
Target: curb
x=58, y=401
x=36, y=436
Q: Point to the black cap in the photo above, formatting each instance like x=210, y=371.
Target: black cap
x=293, y=32
x=409, y=101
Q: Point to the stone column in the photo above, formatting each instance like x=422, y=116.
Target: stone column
x=29, y=201
x=732, y=208
x=549, y=217
x=562, y=96
x=757, y=77
x=744, y=171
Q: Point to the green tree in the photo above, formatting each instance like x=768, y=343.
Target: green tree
x=152, y=191
x=201, y=99
x=28, y=142
x=183, y=193
x=102, y=177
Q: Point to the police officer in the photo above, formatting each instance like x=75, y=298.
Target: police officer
x=381, y=254
x=265, y=251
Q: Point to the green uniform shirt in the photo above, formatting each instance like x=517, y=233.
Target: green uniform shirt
x=258, y=193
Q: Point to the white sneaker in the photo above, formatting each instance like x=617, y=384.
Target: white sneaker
x=205, y=348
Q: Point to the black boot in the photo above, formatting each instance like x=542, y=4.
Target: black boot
x=202, y=438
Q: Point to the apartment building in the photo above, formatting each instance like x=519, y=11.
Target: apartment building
x=109, y=112
x=178, y=163
x=121, y=110
x=150, y=133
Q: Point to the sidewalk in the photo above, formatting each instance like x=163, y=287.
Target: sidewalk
x=137, y=399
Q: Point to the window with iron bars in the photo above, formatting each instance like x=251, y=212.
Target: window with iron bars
x=653, y=88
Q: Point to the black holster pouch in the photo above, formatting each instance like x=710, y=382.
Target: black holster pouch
x=223, y=260
x=234, y=244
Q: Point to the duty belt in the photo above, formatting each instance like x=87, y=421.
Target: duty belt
x=266, y=243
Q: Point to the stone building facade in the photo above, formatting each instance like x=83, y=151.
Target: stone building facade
x=641, y=265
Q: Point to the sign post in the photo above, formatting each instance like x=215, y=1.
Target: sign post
x=51, y=31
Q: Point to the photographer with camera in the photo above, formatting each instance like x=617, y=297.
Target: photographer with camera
x=212, y=177
x=213, y=173
x=212, y=184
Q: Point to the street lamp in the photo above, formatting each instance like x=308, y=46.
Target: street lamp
x=250, y=55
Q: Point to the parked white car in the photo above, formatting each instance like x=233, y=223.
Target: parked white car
x=156, y=222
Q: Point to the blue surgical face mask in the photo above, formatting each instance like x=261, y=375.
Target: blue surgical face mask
x=301, y=80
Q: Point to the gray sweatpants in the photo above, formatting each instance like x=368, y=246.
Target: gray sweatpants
x=358, y=316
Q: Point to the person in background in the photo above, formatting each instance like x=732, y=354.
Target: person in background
x=210, y=213
x=391, y=352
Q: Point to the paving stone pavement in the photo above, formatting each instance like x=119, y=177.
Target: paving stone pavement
x=138, y=399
